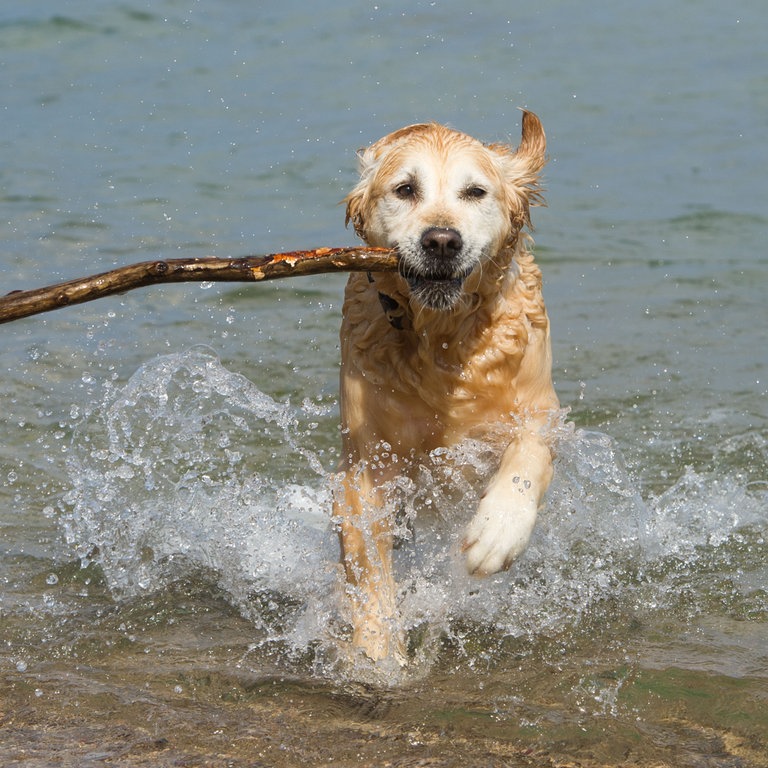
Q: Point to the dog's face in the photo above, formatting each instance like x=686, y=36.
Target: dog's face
x=446, y=202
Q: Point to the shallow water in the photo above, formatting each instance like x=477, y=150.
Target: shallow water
x=168, y=579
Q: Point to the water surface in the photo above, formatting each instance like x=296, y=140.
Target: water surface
x=168, y=576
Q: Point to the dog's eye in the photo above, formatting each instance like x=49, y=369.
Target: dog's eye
x=405, y=191
x=475, y=192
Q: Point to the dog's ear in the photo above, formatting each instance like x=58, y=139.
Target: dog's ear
x=533, y=151
x=520, y=168
x=355, y=200
x=533, y=143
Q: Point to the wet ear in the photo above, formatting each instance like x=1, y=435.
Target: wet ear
x=533, y=143
x=520, y=168
x=532, y=151
x=355, y=200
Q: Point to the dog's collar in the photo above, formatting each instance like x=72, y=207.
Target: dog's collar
x=393, y=311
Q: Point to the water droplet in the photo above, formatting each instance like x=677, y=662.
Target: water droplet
x=52, y=579
x=21, y=666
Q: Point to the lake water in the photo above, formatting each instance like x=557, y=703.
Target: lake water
x=168, y=577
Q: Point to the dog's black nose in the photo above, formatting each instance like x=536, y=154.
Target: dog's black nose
x=441, y=241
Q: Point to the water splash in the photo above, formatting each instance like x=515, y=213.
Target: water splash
x=186, y=468
x=191, y=467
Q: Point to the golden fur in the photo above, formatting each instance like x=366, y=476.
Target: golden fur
x=463, y=350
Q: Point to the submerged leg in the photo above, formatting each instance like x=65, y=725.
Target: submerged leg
x=365, y=534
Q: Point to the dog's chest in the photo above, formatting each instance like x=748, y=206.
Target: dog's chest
x=460, y=381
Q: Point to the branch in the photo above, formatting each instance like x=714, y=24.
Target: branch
x=18, y=304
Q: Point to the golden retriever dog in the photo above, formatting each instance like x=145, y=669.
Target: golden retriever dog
x=453, y=346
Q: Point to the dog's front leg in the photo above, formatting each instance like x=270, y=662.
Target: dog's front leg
x=365, y=533
x=506, y=515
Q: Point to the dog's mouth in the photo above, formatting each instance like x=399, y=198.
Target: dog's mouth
x=436, y=292
x=436, y=266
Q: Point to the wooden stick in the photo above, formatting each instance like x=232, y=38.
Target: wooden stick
x=18, y=304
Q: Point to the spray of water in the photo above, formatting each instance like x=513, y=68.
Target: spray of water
x=190, y=467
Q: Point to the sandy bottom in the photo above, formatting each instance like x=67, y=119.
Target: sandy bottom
x=93, y=717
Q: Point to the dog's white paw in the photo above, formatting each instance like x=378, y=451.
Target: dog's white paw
x=498, y=533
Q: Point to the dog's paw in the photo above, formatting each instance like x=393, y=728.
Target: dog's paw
x=380, y=642
x=498, y=533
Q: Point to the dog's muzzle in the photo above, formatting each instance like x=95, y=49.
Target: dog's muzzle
x=437, y=280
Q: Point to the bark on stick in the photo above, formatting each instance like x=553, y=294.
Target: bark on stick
x=254, y=269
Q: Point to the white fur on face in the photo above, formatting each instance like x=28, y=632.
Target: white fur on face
x=415, y=189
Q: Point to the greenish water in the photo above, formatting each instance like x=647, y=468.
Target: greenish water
x=168, y=578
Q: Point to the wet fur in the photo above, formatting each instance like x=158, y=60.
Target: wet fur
x=469, y=354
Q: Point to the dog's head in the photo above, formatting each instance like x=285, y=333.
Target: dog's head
x=446, y=202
